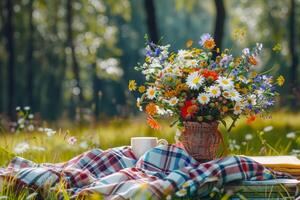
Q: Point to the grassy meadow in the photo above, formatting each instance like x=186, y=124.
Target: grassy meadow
x=276, y=135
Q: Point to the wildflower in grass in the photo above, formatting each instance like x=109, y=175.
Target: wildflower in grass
x=194, y=80
x=151, y=109
x=203, y=98
x=250, y=119
x=38, y=148
x=84, y=145
x=268, y=128
x=21, y=147
x=132, y=85
x=72, y=140
x=248, y=136
x=213, y=91
x=225, y=83
x=153, y=123
x=280, y=80
x=291, y=135
x=49, y=132
x=142, y=89
x=151, y=92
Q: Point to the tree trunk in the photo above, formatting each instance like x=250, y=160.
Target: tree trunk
x=151, y=20
x=75, y=65
x=219, y=24
x=30, y=47
x=9, y=36
x=293, y=52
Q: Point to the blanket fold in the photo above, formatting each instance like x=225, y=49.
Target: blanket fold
x=117, y=174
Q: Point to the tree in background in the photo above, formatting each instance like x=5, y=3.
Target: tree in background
x=9, y=36
x=293, y=52
x=29, y=57
x=219, y=23
x=151, y=20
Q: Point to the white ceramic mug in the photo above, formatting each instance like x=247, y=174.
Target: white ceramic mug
x=140, y=145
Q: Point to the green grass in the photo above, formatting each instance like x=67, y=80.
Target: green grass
x=117, y=132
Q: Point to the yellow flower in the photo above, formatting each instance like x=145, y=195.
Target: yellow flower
x=142, y=89
x=147, y=59
x=280, y=80
x=132, y=85
x=209, y=44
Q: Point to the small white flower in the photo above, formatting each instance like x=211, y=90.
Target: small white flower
x=213, y=91
x=268, y=128
x=72, y=140
x=30, y=116
x=238, y=108
x=31, y=127
x=234, y=95
x=248, y=137
x=21, y=121
x=259, y=46
x=225, y=83
x=50, y=132
x=21, y=147
x=291, y=135
x=203, y=98
x=182, y=54
x=151, y=92
x=173, y=101
x=18, y=108
x=194, y=80
x=27, y=108
x=84, y=144
x=37, y=148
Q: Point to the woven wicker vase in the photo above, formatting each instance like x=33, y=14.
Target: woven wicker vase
x=201, y=140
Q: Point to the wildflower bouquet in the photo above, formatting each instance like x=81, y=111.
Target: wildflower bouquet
x=201, y=84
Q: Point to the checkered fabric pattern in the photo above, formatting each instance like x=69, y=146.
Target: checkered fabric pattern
x=117, y=174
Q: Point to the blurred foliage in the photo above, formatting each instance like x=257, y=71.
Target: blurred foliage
x=109, y=37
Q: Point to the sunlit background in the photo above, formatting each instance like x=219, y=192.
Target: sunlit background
x=65, y=67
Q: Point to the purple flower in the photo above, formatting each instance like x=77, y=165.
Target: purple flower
x=204, y=37
x=246, y=51
x=225, y=60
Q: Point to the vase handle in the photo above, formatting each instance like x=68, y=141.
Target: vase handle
x=162, y=142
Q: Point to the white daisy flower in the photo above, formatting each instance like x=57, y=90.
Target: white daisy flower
x=21, y=147
x=291, y=135
x=203, y=98
x=238, y=108
x=225, y=83
x=268, y=128
x=151, y=92
x=194, y=80
x=226, y=94
x=234, y=95
x=173, y=101
x=183, y=54
x=251, y=99
x=213, y=91
x=248, y=136
x=192, y=63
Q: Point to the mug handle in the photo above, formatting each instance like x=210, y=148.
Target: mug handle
x=162, y=142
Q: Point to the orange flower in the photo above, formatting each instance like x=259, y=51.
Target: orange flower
x=252, y=60
x=209, y=44
x=170, y=93
x=153, y=123
x=250, y=119
x=151, y=109
x=210, y=74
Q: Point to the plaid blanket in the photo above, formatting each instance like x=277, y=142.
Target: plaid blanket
x=117, y=174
